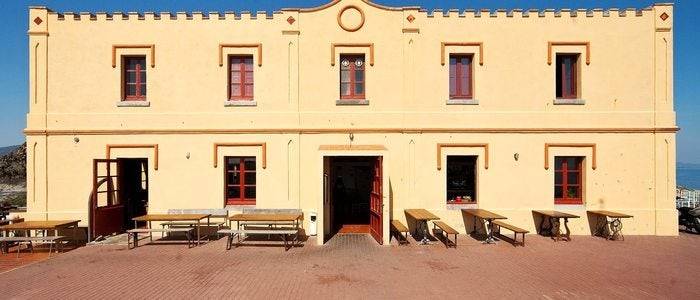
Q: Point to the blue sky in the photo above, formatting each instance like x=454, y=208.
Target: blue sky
x=13, y=65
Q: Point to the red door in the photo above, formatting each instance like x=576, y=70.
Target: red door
x=106, y=210
x=375, y=202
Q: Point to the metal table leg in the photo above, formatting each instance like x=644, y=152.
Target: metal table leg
x=568, y=232
x=198, y=226
x=489, y=233
x=556, y=228
x=425, y=240
x=616, y=230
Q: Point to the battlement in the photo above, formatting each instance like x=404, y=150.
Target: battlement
x=416, y=10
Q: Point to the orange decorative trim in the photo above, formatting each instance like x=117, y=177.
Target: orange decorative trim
x=151, y=46
x=109, y=148
x=351, y=29
x=352, y=147
x=550, y=44
x=262, y=145
x=569, y=145
x=410, y=30
x=222, y=46
x=354, y=45
x=440, y=146
x=346, y=130
x=446, y=44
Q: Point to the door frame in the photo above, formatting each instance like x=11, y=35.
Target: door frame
x=386, y=191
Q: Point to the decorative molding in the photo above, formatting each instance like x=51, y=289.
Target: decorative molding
x=471, y=44
x=441, y=145
x=262, y=145
x=353, y=45
x=351, y=29
x=593, y=147
x=410, y=30
x=152, y=47
x=352, y=148
x=33, y=132
x=257, y=46
x=550, y=44
x=109, y=147
x=291, y=32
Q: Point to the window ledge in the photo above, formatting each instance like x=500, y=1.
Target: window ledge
x=229, y=103
x=569, y=102
x=352, y=102
x=460, y=206
x=133, y=103
x=462, y=102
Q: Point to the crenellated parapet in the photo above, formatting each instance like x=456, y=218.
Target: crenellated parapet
x=283, y=14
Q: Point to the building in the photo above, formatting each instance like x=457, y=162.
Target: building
x=354, y=111
x=686, y=197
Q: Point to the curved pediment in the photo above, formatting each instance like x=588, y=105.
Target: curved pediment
x=335, y=2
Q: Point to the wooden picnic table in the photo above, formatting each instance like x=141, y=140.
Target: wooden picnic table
x=265, y=217
x=609, y=229
x=422, y=216
x=484, y=215
x=269, y=218
x=52, y=225
x=554, y=228
x=195, y=218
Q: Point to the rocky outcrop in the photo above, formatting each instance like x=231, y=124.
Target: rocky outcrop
x=13, y=176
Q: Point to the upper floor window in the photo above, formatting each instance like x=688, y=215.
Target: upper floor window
x=240, y=77
x=352, y=76
x=568, y=183
x=134, y=84
x=567, y=76
x=461, y=76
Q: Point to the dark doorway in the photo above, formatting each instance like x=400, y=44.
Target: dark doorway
x=353, y=195
x=133, y=180
x=120, y=193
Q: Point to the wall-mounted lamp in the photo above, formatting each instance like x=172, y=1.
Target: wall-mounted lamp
x=352, y=137
x=187, y=155
x=76, y=139
x=516, y=156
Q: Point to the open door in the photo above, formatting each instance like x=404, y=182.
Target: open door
x=106, y=210
x=375, y=202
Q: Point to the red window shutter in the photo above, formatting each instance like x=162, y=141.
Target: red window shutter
x=461, y=76
x=352, y=77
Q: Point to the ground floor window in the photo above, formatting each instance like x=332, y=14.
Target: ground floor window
x=240, y=180
x=461, y=179
x=568, y=181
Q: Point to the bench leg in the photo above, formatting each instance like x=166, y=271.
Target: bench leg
x=50, y=248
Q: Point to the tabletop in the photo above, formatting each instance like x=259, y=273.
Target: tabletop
x=610, y=214
x=483, y=214
x=172, y=217
x=421, y=214
x=38, y=225
x=265, y=217
x=555, y=214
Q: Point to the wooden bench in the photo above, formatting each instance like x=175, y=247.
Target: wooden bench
x=447, y=230
x=220, y=216
x=251, y=230
x=514, y=229
x=399, y=230
x=51, y=240
x=133, y=234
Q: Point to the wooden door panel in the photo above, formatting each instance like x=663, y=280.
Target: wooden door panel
x=375, y=205
x=106, y=215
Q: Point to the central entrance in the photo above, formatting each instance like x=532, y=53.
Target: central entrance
x=353, y=195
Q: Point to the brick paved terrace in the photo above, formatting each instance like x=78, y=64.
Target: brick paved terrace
x=354, y=266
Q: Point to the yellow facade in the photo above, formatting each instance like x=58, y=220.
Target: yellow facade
x=627, y=87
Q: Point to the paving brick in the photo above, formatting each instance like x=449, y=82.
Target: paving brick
x=354, y=266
